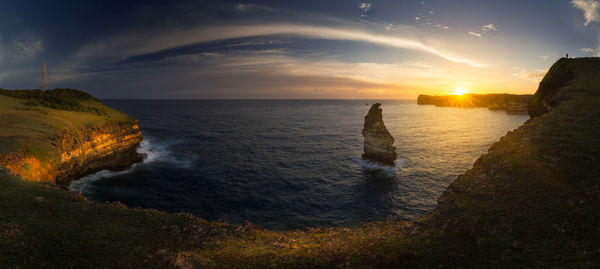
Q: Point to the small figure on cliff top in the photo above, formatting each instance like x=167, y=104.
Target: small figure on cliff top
x=379, y=143
x=567, y=56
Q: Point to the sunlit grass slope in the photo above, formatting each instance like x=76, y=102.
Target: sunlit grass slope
x=34, y=121
x=531, y=201
x=29, y=117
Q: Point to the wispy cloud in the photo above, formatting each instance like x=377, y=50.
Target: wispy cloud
x=17, y=56
x=257, y=74
x=29, y=48
x=534, y=76
x=484, y=30
x=595, y=52
x=365, y=6
x=251, y=7
x=590, y=9
x=133, y=44
x=489, y=27
x=25, y=46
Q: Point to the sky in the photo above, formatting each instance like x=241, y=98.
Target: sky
x=306, y=49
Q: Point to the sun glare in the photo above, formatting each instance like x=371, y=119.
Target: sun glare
x=460, y=91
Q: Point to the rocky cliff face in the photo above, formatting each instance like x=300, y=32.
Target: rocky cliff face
x=552, y=89
x=379, y=143
x=112, y=146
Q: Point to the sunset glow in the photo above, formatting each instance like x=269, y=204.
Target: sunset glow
x=304, y=49
x=460, y=91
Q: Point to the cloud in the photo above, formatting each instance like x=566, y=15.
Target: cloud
x=29, y=48
x=251, y=7
x=3, y=75
x=156, y=40
x=534, y=76
x=595, y=52
x=489, y=27
x=253, y=74
x=365, y=6
x=25, y=46
x=589, y=8
x=277, y=61
x=18, y=52
x=484, y=30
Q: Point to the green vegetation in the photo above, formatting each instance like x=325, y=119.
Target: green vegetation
x=34, y=121
x=63, y=99
x=44, y=226
x=532, y=201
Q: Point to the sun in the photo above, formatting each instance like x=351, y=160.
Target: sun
x=460, y=91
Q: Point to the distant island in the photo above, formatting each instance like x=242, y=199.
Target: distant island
x=511, y=103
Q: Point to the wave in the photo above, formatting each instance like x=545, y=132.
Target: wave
x=153, y=152
x=160, y=152
x=371, y=166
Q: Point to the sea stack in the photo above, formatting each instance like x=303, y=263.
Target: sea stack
x=379, y=143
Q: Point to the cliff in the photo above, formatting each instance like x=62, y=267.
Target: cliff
x=511, y=103
x=378, y=143
x=553, y=88
x=60, y=135
x=529, y=202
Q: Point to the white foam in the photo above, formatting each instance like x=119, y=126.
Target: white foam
x=370, y=166
x=153, y=152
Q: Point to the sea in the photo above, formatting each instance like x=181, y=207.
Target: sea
x=291, y=164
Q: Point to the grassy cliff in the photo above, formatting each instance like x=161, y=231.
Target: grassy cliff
x=531, y=201
x=44, y=134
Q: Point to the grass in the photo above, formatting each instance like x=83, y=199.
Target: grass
x=531, y=201
x=43, y=226
x=34, y=121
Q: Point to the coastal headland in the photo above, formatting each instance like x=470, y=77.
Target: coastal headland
x=511, y=103
x=60, y=135
x=530, y=201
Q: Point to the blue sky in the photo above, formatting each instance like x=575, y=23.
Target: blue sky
x=291, y=49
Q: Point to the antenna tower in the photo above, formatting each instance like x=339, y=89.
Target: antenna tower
x=44, y=83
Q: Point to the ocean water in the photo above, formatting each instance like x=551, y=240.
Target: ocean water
x=287, y=164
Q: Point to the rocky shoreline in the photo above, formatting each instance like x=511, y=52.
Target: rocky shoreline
x=112, y=147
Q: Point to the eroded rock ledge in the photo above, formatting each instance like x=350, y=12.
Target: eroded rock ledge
x=112, y=146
